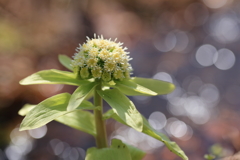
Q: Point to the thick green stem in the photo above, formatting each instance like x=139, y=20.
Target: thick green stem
x=101, y=137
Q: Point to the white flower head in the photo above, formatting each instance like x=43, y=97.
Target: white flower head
x=103, y=59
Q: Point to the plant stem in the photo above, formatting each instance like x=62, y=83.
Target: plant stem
x=101, y=137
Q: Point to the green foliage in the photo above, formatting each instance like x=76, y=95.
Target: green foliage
x=136, y=154
x=172, y=146
x=147, y=129
x=68, y=109
x=117, y=151
x=160, y=87
x=65, y=61
x=80, y=120
x=79, y=95
x=53, y=76
x=25, y=109
x=123, y=107
x=131, y=88
x=48, y=110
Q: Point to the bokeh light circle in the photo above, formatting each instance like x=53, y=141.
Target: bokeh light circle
x=205, y=54
x=224, y=59
x=214, y=4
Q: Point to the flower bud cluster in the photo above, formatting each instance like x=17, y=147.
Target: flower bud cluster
x=102, y=59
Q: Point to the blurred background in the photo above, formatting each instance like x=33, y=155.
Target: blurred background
x=191, y=43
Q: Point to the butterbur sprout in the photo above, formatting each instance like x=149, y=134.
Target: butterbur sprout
x=100, y=69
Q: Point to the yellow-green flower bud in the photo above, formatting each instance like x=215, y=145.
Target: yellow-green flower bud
x=106, y=76
x=97, y=72
x=127, y=75
x=103, y=59
x=84, y=73
x=118, y=74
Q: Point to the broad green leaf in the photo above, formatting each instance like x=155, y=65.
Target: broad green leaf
x=48, y=110
x=117, y=151
x=65, y=61
x=123, y=107
x=53, y=76
x=25, y=109
x=85, y=104
x=90, y=95
x=147, y=129
x=80, y=94
x=157, y=86
x=172, y=146
x=132, y=88
x=80, y=120
x=136, y=153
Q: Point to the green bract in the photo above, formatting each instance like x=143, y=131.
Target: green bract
x=100, y=68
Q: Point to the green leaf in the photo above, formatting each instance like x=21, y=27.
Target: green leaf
x=147, y=129
x=117, y=151
x=172, y=146
x=123, y=107
x=48, y=110
x=157, y=86
x=53, y=76
x=80, y=94
x=25, y=109
x=80, y=120
x=65, y=61
x=136, y=153
x=131, y=88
